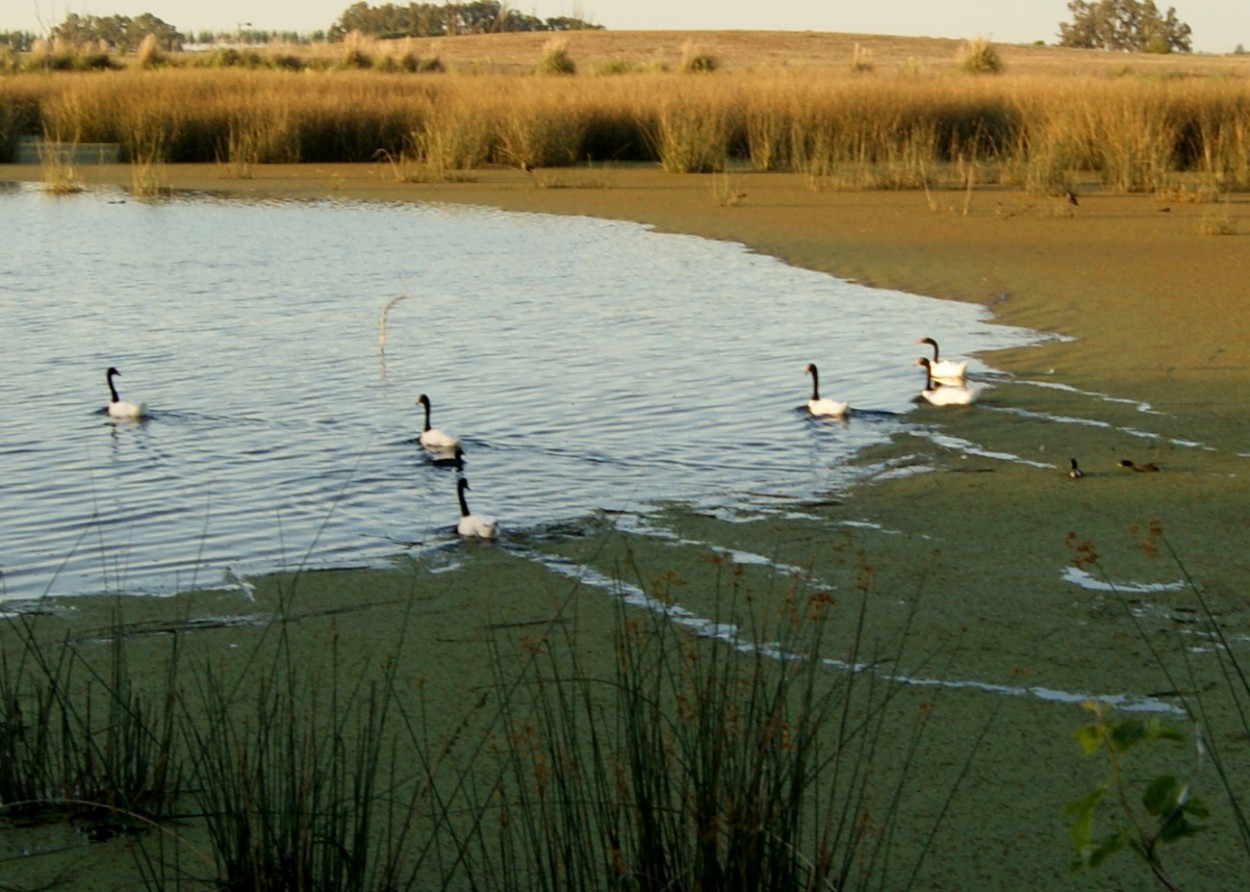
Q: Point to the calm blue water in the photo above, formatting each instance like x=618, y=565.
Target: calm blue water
x=586, y=364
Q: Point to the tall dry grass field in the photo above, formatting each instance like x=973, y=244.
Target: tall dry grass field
x=841, y=124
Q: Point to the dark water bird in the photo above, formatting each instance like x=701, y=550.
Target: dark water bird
x=1071, y=198
x=1138, y=466
x=119, y=408
x=944, y=368
x=432, y=437
x=820, y=406
x=474, y=526
x=1074, y=472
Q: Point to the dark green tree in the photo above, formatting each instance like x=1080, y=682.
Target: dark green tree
x=441, y=19
x=1134, y=26
x=120, y=32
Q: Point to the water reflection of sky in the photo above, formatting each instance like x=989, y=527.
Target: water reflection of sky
x=587, y=364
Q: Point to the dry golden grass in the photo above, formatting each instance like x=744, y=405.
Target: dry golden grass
x=741, y=51
x=850, y=111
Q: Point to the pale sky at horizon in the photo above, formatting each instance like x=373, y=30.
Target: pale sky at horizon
x=1218, y=25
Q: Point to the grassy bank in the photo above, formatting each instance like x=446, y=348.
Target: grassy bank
x=842, y=131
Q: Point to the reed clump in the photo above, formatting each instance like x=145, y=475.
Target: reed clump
x=701, y=765
x=677, y=761
x=82, y=741
x=1132, y=134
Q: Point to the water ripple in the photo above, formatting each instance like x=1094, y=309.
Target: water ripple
x=586, y=364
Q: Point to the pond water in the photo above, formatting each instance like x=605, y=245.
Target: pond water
x=585, y=364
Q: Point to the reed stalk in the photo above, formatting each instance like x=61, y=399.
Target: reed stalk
x=1044, y=133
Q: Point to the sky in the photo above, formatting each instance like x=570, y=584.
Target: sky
x=1218, y=25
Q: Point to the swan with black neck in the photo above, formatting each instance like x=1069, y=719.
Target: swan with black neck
x=470, y=525
x=431, y=437
x=819, y=406
x=942, y=394
x=946, y=369
x=119, y=408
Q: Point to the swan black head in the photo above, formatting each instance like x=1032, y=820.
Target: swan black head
x=424, y=402
x=928, y=372
x=455, y=460
x=810, y=369
x=932, y=343
x=1075, y=472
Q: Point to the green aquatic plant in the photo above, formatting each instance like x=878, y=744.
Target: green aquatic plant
x=1165, y=811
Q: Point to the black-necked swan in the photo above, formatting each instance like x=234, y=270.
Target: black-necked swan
x=944, y=368
x=1075, y=473
x=119, y=408
x=432, y=437
x=940, y=394
x=817, y=405
x=442, y=459
x=477, y=526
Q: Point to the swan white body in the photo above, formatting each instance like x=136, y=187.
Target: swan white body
x=433, y=438
x=940, y=394
x=820, y=406
x=944, y=369
x=474, y=526
x=119, y=408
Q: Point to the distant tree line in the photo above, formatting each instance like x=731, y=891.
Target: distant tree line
x=442, y=19
x=1128, y=25
x=124, y=33
x=119, y=32
x=19, y=41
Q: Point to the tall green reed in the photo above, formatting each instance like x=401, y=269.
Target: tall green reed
x=748, y=763
x=83, y=742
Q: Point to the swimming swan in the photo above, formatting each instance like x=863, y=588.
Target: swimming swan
x=119, y=408
x=477, y=526
x=940, y=394
x=944, y=368
x=432, y=437
x=824, y=408
x=441, y=458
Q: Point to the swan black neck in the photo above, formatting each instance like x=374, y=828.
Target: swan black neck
x=928, y=373
x=934, y=344
x=811, y=370
x=112, y=390
x=425, y=404
x=461, y=486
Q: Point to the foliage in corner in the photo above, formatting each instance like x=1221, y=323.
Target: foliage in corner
x=1167, y=810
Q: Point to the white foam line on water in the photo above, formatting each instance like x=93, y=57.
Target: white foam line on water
x=1081, y=577
x=1106, y=398
x=968, y=447
x=747, y=558
x=730, y=634
x=1092, y=422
